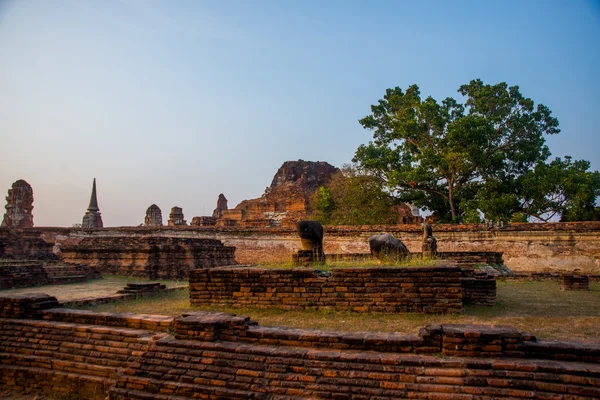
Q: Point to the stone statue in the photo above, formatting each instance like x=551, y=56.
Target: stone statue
x=429, y=248
x=385, y=247
x=311, y=236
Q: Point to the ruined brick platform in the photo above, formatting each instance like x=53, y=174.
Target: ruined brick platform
x=148, y=256
x=384, y=289
x=223, y=356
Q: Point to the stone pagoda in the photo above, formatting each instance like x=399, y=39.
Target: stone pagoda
x=92, y=218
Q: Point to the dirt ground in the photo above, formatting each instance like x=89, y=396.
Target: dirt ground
x=101, y=287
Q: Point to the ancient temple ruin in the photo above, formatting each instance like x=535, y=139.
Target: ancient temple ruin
x=92, y=218
x=153, y=216
x=19, y=206
x=176, y=217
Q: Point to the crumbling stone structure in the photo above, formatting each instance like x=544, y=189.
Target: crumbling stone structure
x=218, y=355
x=311, y=237
x=176, y=217
x=92, y=218
x=221, y=206
x=153, y=216
x=148, y=256
x=19, y=206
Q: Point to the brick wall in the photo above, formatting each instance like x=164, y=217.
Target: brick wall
x=411, y=289
x=152, y=257
x=222, y=356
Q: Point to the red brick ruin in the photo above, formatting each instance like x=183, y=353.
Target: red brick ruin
x=47, y=347
x=19, y=206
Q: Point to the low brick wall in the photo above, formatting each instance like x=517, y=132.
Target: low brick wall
x=574, y=282
x=478, y=287
x=409, y=289
x=151, y=257
x=26, y=273
x=222, y=356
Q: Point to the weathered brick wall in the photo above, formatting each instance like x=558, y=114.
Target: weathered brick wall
x=411, y=289
x=153, y=257
x=25, y=273
x=525, y=247
x=221, y=356
x=574, y=282
x=478, y=287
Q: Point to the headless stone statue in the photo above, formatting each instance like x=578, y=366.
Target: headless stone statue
x=429, y=248
x=311, y=236
x=386, y=247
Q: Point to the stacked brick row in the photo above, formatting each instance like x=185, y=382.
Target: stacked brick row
x=216, y=355
x=60, y=358
x=424, y=290
x=25, y=305
x=186, y=369
x=15, y=274
x=122, y=320
x=472, y=258
x=25, y=273
x=574, y=282
x=478, y=287
x=60, y=274
x=151, y=257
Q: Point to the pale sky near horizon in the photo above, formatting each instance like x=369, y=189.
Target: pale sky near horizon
x=174, y=102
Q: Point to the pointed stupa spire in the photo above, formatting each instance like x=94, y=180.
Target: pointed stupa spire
x=93, y=200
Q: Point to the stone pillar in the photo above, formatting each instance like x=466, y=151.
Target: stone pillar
x=221, y=206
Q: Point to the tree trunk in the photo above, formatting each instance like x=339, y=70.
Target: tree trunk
x=452, y=204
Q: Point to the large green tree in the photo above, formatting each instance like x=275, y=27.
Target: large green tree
x=454, y=158
x=354, y=198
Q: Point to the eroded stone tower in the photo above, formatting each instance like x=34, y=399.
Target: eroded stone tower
x=176, y=217
x=153, y=216
x=92, y=218
x=19, y=206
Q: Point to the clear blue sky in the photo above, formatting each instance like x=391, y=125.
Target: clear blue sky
x=174, y=102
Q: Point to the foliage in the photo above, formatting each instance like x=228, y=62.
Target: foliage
x=486, y=154
x=354, y=198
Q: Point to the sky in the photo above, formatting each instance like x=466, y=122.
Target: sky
x=174, y=102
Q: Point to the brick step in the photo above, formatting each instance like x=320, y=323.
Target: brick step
x=54, y=364
x=53, y=382
x=131, y=386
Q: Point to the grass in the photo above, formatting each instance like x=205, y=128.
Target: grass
x=357, y=263
x=540, y=308
x=107, y=285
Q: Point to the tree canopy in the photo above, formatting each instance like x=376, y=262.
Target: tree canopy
x=487, y=154
x=353, y=198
